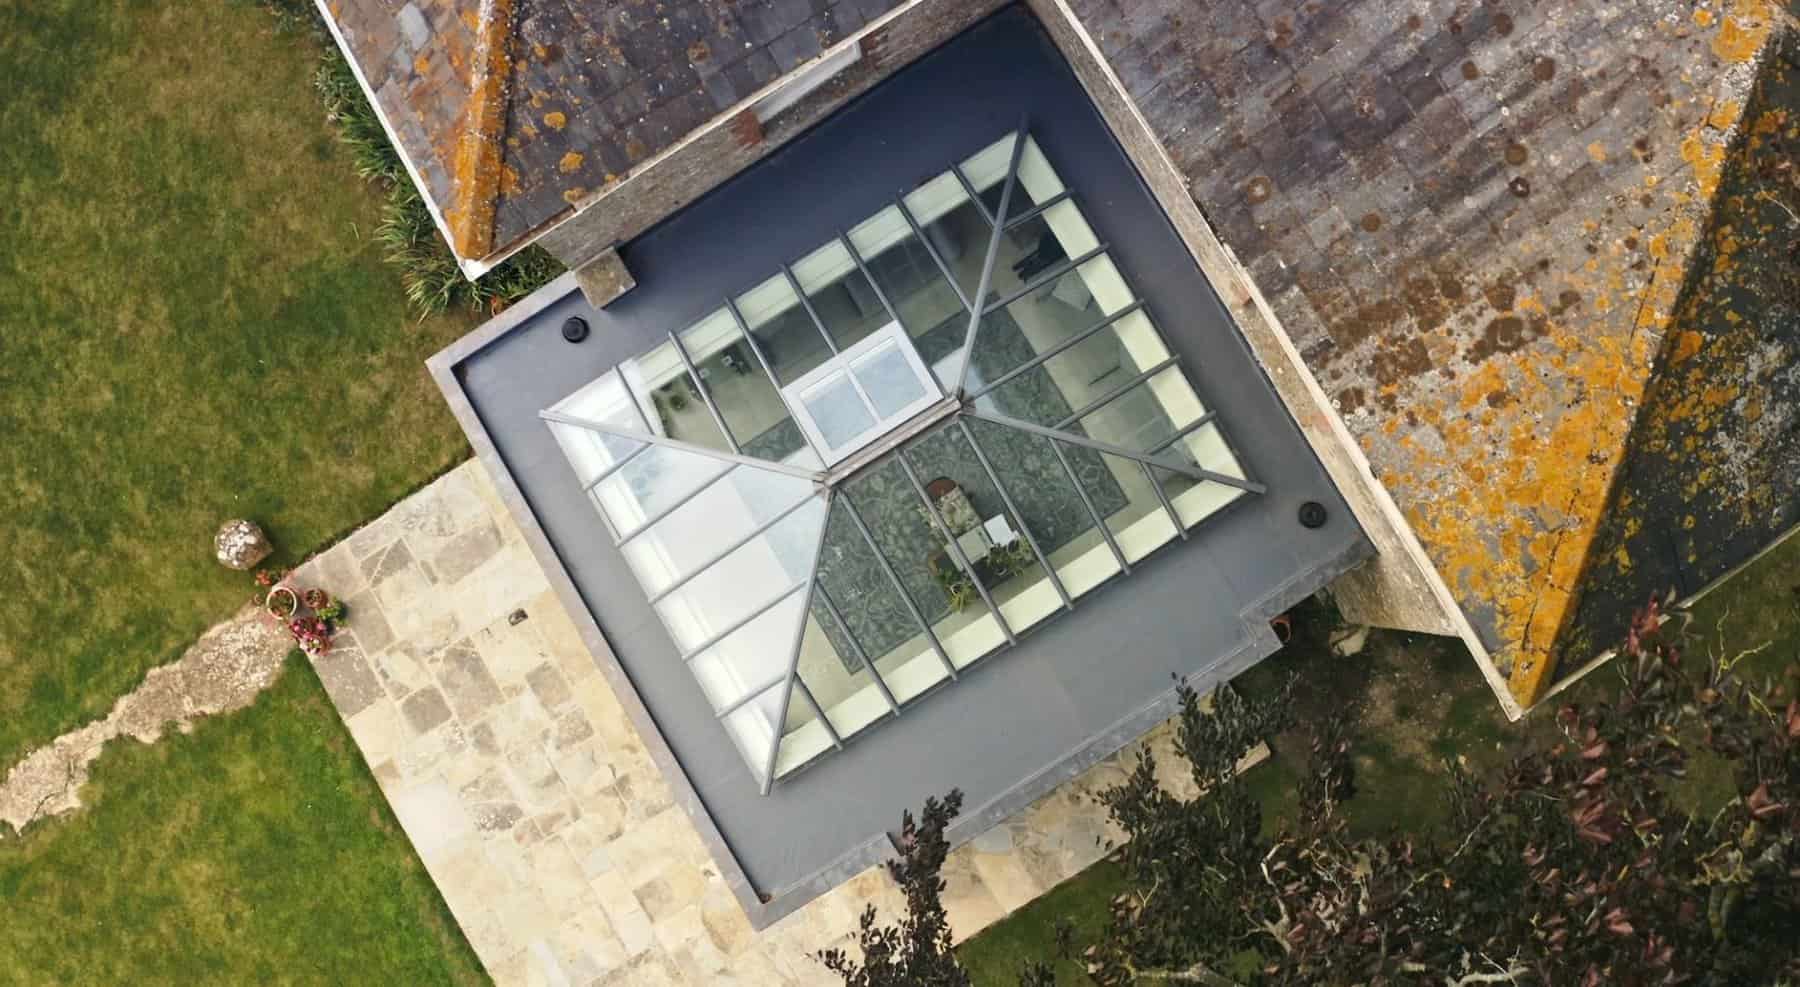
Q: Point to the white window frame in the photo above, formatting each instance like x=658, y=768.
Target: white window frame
x=841, y=366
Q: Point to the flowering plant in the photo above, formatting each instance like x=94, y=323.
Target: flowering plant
x=312, y=634
x=315, y=599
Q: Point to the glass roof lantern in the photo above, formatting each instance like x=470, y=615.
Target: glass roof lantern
x=895, y=455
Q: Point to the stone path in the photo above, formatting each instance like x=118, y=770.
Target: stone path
x=221, y=672
x=532, y=801
x=520, y=780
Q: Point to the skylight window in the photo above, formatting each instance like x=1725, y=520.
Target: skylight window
x=893, y=457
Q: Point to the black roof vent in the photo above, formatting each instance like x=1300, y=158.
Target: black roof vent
x=575, y=329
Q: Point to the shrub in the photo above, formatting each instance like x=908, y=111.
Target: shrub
x=429, y=273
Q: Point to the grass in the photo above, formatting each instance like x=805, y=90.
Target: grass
x=195, y=324
x=256, y=849
x=1416, y=701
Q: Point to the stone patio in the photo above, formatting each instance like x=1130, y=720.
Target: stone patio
x=532, y=801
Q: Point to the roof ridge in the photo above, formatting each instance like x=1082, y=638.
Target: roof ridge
x=476, y=169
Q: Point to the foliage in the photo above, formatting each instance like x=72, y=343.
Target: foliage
x=916, y=952
x=1574, y=864
x=407, y=232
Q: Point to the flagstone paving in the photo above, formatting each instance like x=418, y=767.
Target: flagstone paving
x=532, y=801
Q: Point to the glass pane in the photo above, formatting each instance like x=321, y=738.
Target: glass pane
x=876, y=621
x=752, y=729
x=986, y=171
x=953, y=226
x=783, y=330
x=655, y=480
x=998, y=554
x=1206, y=447
x=1195, y=500
x=734, y=587
x=926, y=303
x=841, y=297
x=751, y=657
x=837, y=410
x=1051, y=506
x=920, y=555
x=889, y=380
x=1036, y=183
x=719, y=516
x=803, y=736
x=670, y=399
x=1147, y=415
x=589, y=451
x=839, y=681
x=1122, y=495
x=604, y=401
x=747, y=400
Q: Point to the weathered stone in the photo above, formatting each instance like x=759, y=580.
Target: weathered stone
x=241, y=545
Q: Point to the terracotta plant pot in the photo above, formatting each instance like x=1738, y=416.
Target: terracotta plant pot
x=282, y=603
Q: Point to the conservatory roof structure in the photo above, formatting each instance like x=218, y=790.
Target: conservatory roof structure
x=921, y=457
x=753, y=550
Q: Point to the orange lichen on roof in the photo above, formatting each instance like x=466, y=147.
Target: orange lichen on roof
x=1516, y=513
x=1746, y=26
x=476, y=167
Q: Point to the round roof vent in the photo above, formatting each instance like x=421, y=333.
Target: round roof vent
x=575, y=329
x=1312, y=514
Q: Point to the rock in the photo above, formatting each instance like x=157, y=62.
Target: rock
x=1347, y=641
x=241, y=544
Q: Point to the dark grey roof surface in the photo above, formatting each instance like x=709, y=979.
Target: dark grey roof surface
x=1076, y=687
x=596, y=88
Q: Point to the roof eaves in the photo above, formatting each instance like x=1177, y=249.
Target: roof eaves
x=476, y=168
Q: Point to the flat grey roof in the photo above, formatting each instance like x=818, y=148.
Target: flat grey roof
x=1073, y=689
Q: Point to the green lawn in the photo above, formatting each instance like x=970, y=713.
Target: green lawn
x=194, y=325
x=1414, y=701
x=255, y=850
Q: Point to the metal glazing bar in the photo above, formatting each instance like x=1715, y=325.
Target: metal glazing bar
x=819, y=711
x=1162, y=497
x=862, y=653
x=631, y=396
x=1050, y=276
x=956, y=551
x=987, y=264
x=1173, y=466
x=793, y=676
x=617, y=465
x=734, y=546
x=680, y=446
x=974, y=196
x=1112, y=395
x=993, y=476
x=1087, y=502
x=942, y=266
x=869, y=276
x=1038, y=210
x=679, y=503
x=762, y=359
x=1186, y=430
x=768, y=369
x=739, y=623
x=1041, y=358
x=811, y=313
x=899, y=587
x=748, y=697
x=718, y=417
